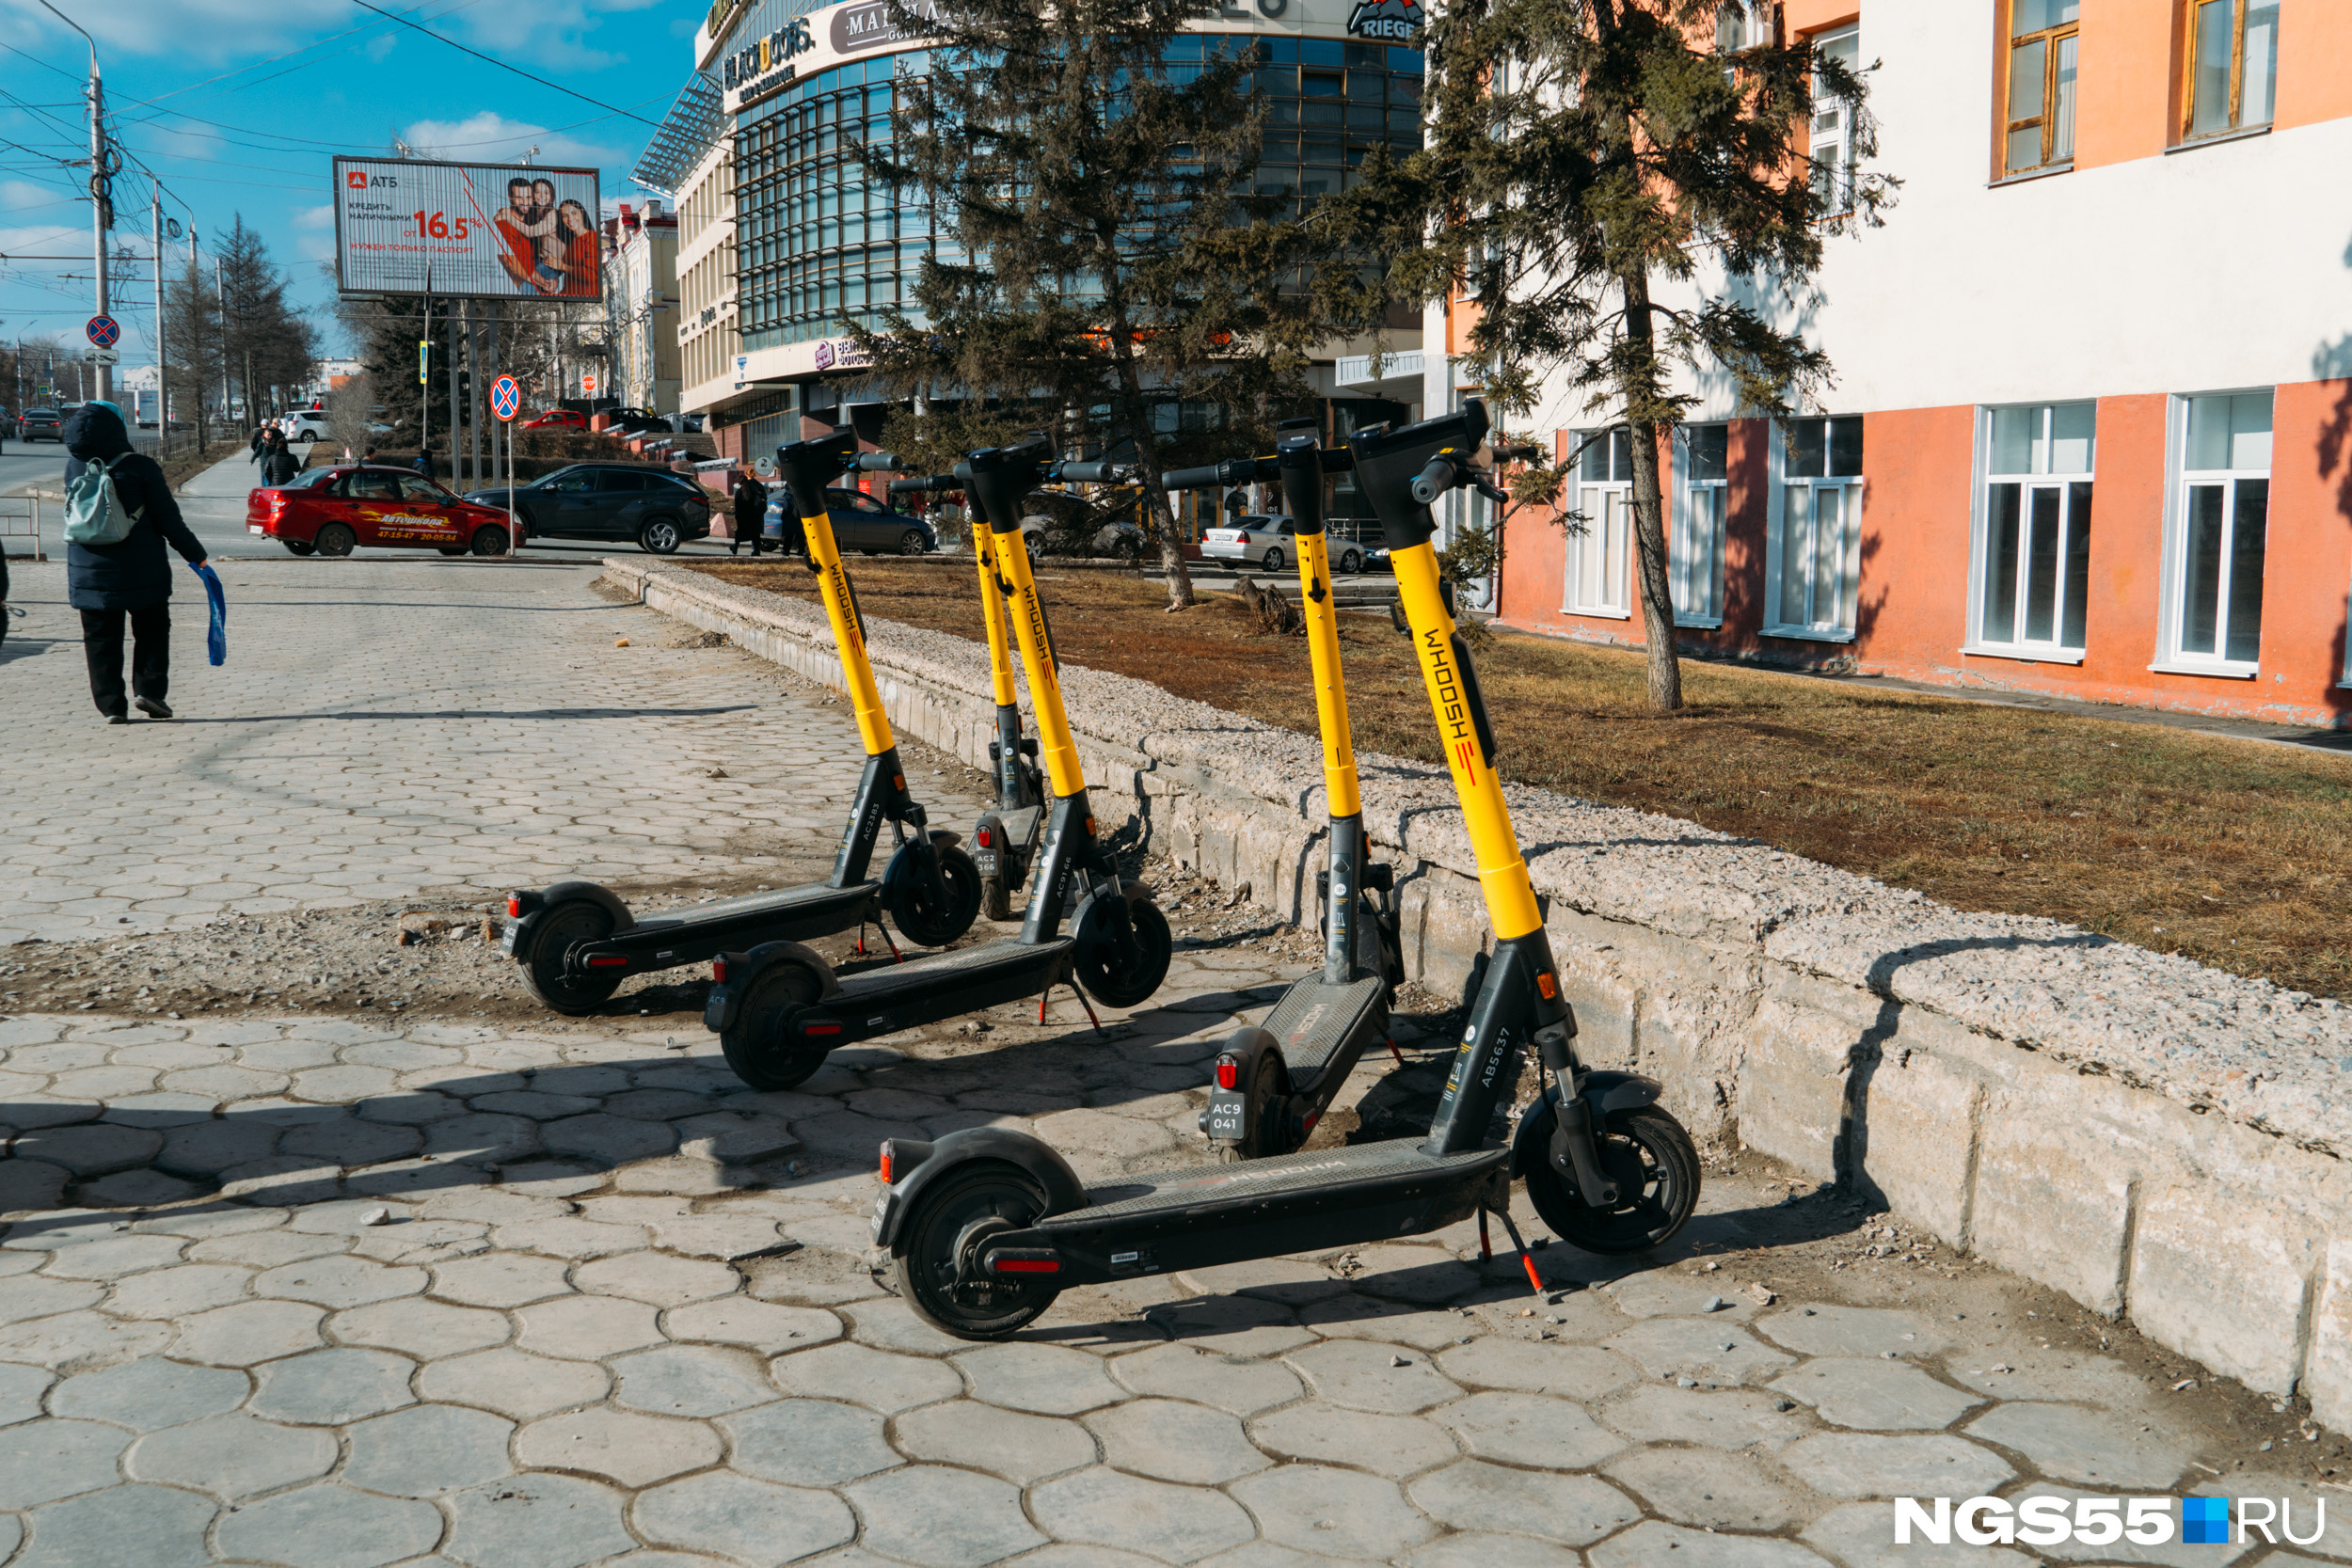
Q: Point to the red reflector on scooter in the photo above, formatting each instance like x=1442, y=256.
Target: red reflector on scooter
x=608, y=961
x=889, y=1156
x=1228, y=1073
x=814, y=1029
x=513, y=906
x=1547, y=985
x=1022, y=1261
x=717, y=971
x=985, y=836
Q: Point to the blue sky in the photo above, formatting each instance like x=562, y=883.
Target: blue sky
x=238, y=104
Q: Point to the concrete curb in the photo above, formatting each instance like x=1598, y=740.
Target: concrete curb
x=2158, y=1140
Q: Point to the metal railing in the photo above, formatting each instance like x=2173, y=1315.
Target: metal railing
x=19, y=515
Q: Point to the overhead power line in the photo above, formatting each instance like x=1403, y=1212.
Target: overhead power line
x=493, y=59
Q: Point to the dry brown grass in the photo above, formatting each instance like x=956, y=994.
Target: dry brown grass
x=2230, y=851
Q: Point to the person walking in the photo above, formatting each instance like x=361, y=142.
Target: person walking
x=751, y=513
x=279, y=463
x=131, y=579
x=261, y=441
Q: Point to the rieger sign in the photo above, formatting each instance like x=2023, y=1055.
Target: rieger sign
x=1391, y=21
x=465, y=230
x=2046, y=1521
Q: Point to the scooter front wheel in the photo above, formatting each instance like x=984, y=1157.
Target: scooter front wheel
x=912, y=912
x=1106, y=973
x=560, y=929
x=754, y=1045
x=937, y=1265
x=1656, y=1167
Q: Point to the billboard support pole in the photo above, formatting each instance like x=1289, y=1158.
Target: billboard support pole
x=424, y=378
x=473, y=368
x=454, y=412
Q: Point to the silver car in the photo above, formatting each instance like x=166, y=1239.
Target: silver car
x=1271, y=544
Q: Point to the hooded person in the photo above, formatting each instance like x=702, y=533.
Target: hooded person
x=279, y=463
x=131, y=579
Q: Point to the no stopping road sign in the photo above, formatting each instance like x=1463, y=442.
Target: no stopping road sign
x=506, y=398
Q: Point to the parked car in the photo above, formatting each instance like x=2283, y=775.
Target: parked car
x=628, y=421
x=41, y=424
x=860, y=523
x=558, y=419
x=8, y=425
x=1057, y=522
x=683, y=424
x=335, y=510
x=1271, y=544
x=657, y=508
x=305, y=424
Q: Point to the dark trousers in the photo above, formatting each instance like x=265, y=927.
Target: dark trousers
x=151, y=655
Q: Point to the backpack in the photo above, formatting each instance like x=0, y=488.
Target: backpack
x=94, y=512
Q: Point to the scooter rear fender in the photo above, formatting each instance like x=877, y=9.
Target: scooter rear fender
x=744, y=969
x=1230, y=1111
x=525, y=931
x=1063, y=1190
x=1606, y=1092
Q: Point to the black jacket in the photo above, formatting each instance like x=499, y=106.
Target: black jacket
x=135, y=573
x=279, y=466
x=751, y=501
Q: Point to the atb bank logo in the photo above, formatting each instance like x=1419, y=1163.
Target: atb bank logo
x=2043, y=1521
x=1396, y=21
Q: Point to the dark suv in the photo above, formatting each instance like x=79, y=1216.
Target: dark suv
x=41, y=424
x=657, y=508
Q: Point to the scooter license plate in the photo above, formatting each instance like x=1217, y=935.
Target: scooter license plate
x=1227, y=1118
x=509, y=930
x=986, y=861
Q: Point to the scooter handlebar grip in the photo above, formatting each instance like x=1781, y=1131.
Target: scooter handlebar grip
x=1213, y=475
x=879, y=462
x=1439, y=476
x=1087, y=473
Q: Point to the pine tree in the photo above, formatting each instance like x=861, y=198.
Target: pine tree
x=1593, y=164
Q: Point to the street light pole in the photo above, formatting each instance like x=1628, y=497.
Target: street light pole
x=102, y=203
x=163, y=398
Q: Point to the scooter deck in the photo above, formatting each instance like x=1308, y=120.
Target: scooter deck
x=1317, y=1022
x=703, y=931
x=1204, y=1216
x=945, y=985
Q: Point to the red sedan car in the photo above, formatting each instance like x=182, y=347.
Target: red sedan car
x=558, y=419
x=332, y=511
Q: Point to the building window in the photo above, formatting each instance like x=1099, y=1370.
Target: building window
x=2232, y=65
x=2033, y=566
x=1742, y=25
x=2224, y=511
x=1598, y=540
x=2041, y=114
x=1833, y=124
x=1698, y=535
x=1817, y=538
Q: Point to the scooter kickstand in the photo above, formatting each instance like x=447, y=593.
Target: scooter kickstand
x=1486, y=1242
x=1399, y=1057
x=860, y=949
x=1527, y=1258
x=1088, y=1007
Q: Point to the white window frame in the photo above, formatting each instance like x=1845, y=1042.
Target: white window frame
x=1593, y=534
x=1849, y=546
x=1742, y=25
x=2172, y=658
x=1839, y=132
x=1696, y=545
x=2054, y=651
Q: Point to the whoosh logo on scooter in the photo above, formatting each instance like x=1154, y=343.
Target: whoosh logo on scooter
x=1445, y=684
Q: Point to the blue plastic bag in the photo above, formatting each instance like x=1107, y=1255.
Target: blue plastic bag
x=217, y=639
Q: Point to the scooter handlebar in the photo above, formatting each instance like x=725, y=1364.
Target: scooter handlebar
x=879, y=462
x=929, y=483
x=1087, y=473
x=1207, y=477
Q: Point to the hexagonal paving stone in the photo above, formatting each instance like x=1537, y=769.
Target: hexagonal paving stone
x=1575, y=1510
x=614, y=1140
x=1664, y=1293
x=1169, y=1440
x=1714, y=1491
x=1656, y=1542
x=808, y=1442
x=20, y=1388
x=147, y=1394
x=115, y=1259
x=1239, y=1384
x=28, y=1296
x=180, y=1292
x=1366, y=1375
x=1340, y=1512
x=886, y=1323
x=154, y=1526
x=1392, y=1446
x=427, y=1451
x=91, y=1148
x=43, y=1461
x=427, y=1330
x=689, y=1380
x=2096, y=1448
x=753, y=1521
x=232, y=1456
x=1706, y=1349
x=330, y=1526
x=619, y=1445
x=659, y=1278
x=1848, y=1464
x=1536, y=1367
x=762, y=1326
x=76, y=1339
x=341, y=1280
x=942, y=1518
x=1824, y=1330
x=1388, y=1323
x=500, y=1279
x=1021, y=1448
x=1106, y=1509
x=587, y=1327
x=513, y=1383
x=1427, y=1275
x=1492, y=1551
x=1875, y=1396
x=329, y=1387
x=536, y=1521
x=1047, y=1380
x=248, y=1333
x=1716, y=1419
x=1234, y=1326
x=1530, y=1429
x=873, y=1378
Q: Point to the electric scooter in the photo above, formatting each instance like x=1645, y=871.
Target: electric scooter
x=986, y=1226
x=577, y=940
x=1272, y=1083
x=1004, y=841
x=778, y=1008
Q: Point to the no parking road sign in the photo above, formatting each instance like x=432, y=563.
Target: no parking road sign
x=103, y=331
x=506, y=398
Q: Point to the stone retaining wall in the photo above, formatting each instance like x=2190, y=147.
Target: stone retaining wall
x=2158, y=1140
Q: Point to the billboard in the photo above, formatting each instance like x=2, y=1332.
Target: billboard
x=466, y=230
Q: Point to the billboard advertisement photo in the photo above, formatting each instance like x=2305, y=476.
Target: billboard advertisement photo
x=465, y=230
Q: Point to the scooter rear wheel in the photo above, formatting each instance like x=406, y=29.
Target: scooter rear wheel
x=1105, y=971
x=560, y=929
x=934, y=1274
x=754, y=1045
x=1656, y=1168
x=1269, y=1120
x=996, y=898
x=926, y=927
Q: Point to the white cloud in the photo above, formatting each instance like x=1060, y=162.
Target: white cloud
x=44, y=239
x=315, y=217
x=490, y=137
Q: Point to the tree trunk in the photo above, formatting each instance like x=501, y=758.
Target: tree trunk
x=1153, y=510
x=1640, y=391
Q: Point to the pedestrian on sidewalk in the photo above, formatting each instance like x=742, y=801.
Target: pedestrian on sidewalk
x=279, y=463
x=132, y=578
x=751, y=513
x=261, y=441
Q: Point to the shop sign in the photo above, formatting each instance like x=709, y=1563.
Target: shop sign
x=866, y=25
x=1389, y=21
